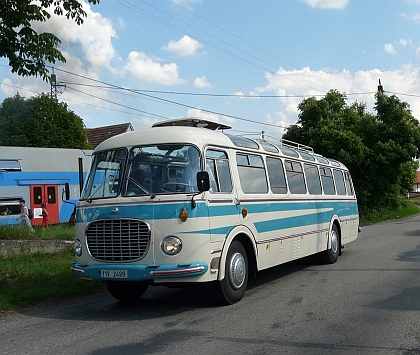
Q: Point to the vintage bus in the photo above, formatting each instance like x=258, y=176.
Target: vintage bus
x=184, y=202
x=39, y=175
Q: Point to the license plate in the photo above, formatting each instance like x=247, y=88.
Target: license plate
x=113, y=274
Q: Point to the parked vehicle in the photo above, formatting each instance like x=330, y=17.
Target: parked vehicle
x=215, y=208
x=39, y=175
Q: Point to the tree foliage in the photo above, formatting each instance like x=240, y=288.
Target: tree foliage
x=27, y=50
x=379, y=150
x=40, y=121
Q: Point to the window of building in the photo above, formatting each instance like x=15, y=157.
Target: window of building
x=10, y=165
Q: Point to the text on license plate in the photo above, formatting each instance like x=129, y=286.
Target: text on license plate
x=113, y=274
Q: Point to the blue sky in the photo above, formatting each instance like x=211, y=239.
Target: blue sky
x=244, y=63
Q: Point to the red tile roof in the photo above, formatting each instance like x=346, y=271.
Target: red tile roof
x=98, y=135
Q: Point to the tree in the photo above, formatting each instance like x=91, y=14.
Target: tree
x=379, y=150
x=26, y=49
x=40, y=121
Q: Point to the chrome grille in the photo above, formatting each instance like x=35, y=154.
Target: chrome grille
x=118, y=239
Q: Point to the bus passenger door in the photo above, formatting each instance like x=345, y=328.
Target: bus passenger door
x=223, y=206
x=45, y=194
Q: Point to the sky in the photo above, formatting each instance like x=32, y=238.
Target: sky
x=247, y=64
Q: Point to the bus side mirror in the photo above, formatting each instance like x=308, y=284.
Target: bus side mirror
x=66, y=191
x=203, y=181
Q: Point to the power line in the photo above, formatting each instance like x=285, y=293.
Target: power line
x=148, y=14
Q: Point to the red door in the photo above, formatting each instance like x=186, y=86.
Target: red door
x=44, y=194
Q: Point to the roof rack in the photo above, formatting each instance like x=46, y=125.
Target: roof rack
x=262, y=137
x=192, y=122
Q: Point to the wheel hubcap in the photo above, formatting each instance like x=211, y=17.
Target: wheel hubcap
x=237, y=270
x=334, y=241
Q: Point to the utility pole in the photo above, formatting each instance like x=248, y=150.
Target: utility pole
x=380, y=87
x=56, y=87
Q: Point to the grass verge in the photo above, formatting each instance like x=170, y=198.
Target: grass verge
x=51, y=233
x=408, y=209
x=30, y=279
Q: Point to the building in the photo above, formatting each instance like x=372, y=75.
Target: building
x=98, y=135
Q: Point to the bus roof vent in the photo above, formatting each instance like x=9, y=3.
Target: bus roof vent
x=192, y=122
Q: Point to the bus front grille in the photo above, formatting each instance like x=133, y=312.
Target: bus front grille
x=118, y=240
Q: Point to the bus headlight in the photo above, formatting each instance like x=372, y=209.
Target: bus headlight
x=171, y=245
x=78, y=247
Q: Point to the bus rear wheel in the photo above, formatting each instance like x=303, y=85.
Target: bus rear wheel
x=233, y=286
x=330, y=255
x=126, y=291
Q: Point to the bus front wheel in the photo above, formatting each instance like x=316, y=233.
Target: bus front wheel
x=233, y=285
x=126, y=291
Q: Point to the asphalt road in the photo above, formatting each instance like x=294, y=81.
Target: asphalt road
x=366, y=303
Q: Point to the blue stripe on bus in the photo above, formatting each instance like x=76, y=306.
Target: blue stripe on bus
x=171, y=211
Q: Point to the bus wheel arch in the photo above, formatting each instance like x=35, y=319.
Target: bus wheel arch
x=238, y=266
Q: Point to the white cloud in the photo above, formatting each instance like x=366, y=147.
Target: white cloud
x=418, y=53
x=327, y=4
x=202, y=83
x=389, y=48
x=405, y=42
x=150, y=71
x=94, y=36
x=184, y=47
x=295, y=85
x=415, y=17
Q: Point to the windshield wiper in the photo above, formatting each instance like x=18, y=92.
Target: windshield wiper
x=89, y=199
x=140, y=186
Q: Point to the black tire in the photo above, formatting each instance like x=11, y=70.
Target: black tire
x=330, y=255
x=233, y=286
x=126, y=291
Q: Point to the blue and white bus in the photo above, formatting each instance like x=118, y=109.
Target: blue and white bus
x=38, y=175
x=253, y=204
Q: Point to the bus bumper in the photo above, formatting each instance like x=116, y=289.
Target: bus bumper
x=138, y=272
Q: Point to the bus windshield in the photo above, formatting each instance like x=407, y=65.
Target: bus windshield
x=105, y=175
x=149, y=170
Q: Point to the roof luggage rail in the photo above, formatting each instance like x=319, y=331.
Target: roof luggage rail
x=262, y=137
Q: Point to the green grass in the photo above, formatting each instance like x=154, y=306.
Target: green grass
x=50, y=233
x=30, y=279
x=410, y=208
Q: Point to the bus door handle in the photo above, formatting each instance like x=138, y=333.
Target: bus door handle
x=237, y=201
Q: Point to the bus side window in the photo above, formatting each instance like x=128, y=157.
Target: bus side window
x=348, y=183
x=217, y=164
x=295, y=177
x=312, y=179
x=339, y=182
x=251, y=173
x=327, y=181
x=276, y=176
